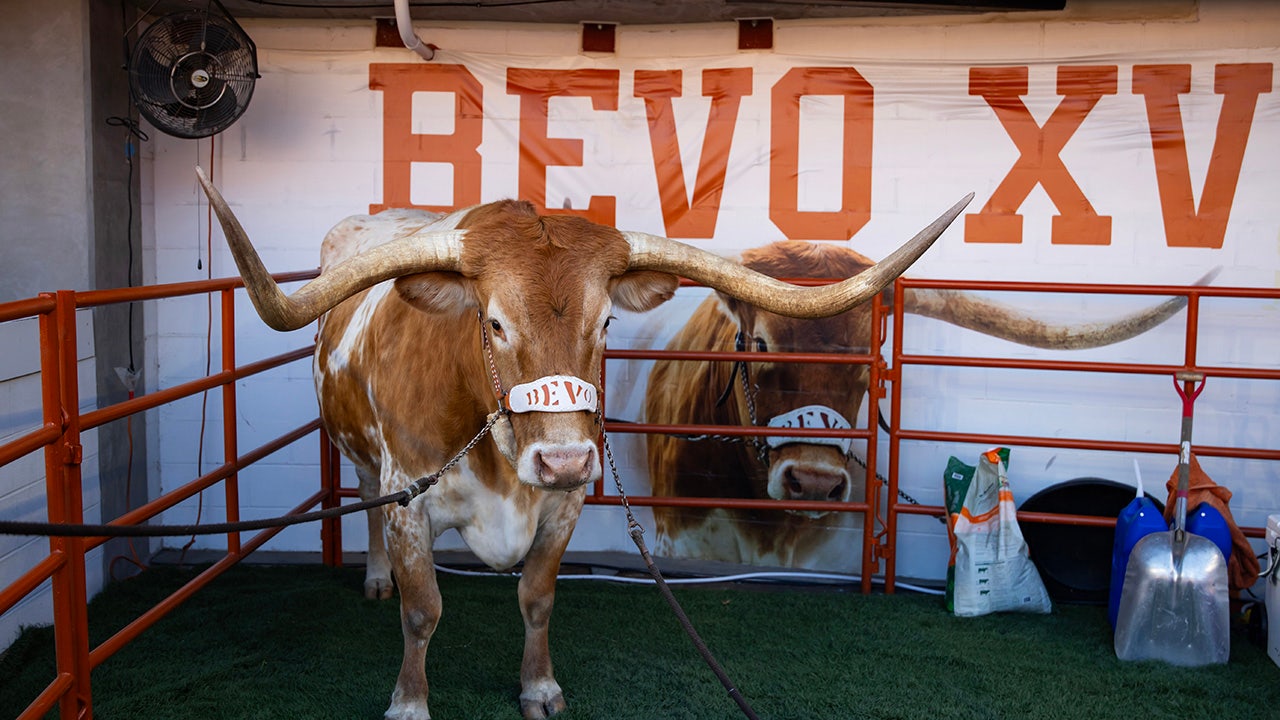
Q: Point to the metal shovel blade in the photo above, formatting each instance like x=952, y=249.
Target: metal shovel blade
x=1174, y=604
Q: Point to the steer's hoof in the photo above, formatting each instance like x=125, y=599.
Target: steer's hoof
x=540, y=709
x=541, y=700
x=407, y=711
x=377, y=588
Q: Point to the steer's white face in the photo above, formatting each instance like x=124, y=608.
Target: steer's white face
x=543, y=290
x=553, y=366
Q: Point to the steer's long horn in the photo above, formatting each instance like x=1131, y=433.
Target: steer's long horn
x=419, y=252
x=999, y=320
x=651, y=252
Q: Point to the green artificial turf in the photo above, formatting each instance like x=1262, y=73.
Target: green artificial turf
x=302, y=642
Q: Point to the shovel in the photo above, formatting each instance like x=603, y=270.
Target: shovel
x=1174, y=604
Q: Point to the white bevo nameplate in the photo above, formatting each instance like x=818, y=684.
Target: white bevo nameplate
x=811, y=417
x=553, y=393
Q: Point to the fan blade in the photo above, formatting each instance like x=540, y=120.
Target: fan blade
x=221, y=39
x=151, y=78
x=220, y=115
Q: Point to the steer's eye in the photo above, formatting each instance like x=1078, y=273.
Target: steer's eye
x=761, y=345
x=496, y=327
x=607, y=321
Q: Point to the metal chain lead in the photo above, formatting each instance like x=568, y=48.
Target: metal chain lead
x=749, y=391
x=637, y=536
x=493, y=368
x=633, y=526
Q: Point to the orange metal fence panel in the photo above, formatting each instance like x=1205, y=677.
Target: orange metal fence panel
x=880, y=532
x=901, y=359
x=59, y=437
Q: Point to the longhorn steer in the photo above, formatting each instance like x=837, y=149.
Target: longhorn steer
x=431, y=321
x=798, y=395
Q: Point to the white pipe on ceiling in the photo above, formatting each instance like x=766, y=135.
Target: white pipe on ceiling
x=404, y=24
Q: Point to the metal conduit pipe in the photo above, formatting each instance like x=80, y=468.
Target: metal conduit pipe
x=404, y=24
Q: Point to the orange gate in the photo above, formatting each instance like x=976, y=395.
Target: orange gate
x=59, y=437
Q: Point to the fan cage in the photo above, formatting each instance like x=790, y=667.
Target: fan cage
x=192, y=73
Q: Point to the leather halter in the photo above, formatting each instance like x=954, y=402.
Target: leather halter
x=799, y=417
x=498, y=392
x=739, y=345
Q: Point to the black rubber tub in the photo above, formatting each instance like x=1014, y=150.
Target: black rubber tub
x=1075, y=560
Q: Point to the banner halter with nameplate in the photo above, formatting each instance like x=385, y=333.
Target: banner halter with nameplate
x=552, y=393
x=811, y=417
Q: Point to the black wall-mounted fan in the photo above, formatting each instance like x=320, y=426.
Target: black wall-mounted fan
x=192, y=73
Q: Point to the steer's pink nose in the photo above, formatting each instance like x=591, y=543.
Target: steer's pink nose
x=564, y=467
x=802, y=484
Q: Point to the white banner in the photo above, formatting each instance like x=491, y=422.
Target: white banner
x=1148, y=168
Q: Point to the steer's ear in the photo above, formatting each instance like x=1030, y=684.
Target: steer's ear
x=438, y=292
x=642, y=290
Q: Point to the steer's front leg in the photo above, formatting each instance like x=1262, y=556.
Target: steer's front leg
x=540, y=695
x=409, y=543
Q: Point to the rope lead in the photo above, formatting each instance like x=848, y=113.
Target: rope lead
x=403, y=497
x=416, y=488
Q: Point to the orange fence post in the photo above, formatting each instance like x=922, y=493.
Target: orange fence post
x=230, y=446
x=62, y=481
x=875, y=390
x=895, y=444
x=330, y=484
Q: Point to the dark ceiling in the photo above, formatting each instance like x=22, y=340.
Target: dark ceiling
x=626, y=12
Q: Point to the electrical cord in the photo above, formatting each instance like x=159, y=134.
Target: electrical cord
x=208, y=342
x=764, y=575
x=134, y=136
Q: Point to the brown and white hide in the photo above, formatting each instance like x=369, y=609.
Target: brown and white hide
x=403, y=383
